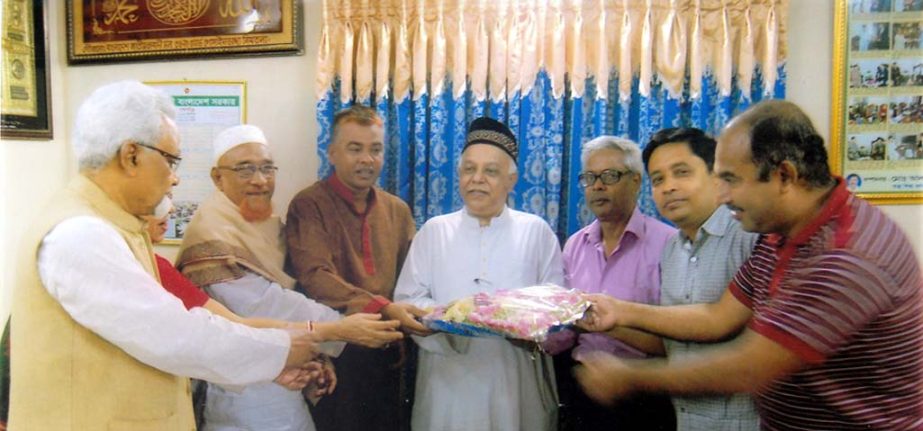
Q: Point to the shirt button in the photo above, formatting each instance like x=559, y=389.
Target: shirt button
x=693, y=259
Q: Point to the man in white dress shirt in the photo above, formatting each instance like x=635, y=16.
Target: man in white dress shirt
x=99, y=343
x=481, y=383
x=234, y=248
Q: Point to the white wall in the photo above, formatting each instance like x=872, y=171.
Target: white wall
x=31, y=171
x=281, y=101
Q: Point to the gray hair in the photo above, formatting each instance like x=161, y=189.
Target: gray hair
x=117, y=113
x=629, y=149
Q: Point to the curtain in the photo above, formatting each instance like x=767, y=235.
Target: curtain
x=558, y=73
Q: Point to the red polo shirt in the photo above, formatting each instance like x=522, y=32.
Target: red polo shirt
x=844, y=294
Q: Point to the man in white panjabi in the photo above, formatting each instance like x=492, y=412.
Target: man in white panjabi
x=481, y=383
x=234, y=248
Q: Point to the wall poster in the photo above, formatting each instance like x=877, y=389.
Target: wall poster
x=877, y=136
x=203, y=109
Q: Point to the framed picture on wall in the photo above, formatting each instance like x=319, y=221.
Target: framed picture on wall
x=132, y=30
x=877, y=136
x=26, y=98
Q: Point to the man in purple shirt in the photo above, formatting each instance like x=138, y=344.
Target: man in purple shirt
x=618, y=254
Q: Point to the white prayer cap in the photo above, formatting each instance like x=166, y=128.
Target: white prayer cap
x=237, y=135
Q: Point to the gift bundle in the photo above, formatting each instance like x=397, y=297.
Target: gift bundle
x=529, y=313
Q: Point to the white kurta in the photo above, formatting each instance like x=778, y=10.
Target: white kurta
x=263, y=406
x=86, y=266
x=480, y=383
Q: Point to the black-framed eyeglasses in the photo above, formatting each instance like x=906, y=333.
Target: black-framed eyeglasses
x=608, y=177
x=172, y=161
x=247, y=171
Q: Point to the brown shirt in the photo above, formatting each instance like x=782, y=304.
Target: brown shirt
x=342, y=258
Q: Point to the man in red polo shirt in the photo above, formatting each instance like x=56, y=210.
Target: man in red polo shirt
x=347, y=240
x=828, y=310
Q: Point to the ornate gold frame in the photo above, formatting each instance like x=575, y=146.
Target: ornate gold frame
x=135, y=30
x=26, y=112
x=839, y=111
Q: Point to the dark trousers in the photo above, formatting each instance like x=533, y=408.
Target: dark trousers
x=374, y=390
x=642, y=412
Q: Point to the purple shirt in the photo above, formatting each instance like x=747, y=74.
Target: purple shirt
x=631, y=272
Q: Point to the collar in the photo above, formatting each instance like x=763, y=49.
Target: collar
x=105, y=205
x=835, y=207
x=635, y=226
x=717, y=224
x=345, y=193
x=500, y=220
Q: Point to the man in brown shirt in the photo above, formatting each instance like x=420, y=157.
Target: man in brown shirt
x=347, y=241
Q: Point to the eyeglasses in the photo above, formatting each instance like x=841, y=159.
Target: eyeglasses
x=247, y=171
x=608, y=177
x=172, y=161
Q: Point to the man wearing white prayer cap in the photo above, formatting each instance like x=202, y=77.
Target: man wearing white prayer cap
x=234, y=136
x=234, y=248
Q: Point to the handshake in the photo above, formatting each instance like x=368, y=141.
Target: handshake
x=305, y=367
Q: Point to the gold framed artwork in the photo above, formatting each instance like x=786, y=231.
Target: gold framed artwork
x=131, y=30
x=877, y=122
x=26, y=99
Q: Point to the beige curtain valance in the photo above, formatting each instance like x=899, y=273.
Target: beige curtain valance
x=407, y=48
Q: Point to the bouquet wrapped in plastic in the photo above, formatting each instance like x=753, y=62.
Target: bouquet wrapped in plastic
x=529, y=313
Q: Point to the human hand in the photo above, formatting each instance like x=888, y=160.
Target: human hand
x=296, y=378
x=603, y=315
x=367, y=330
x=407, y=314
x=303, y=347
x=325, y=383
x=604, y=378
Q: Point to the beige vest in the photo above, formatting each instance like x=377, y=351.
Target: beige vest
x=64, y=376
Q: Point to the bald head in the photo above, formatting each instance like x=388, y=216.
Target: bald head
x=779, y=130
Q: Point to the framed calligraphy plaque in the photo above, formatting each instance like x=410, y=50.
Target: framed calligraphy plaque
x=131, y=30
x=26, y=107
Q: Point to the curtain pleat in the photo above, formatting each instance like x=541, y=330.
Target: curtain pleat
x=558, y=72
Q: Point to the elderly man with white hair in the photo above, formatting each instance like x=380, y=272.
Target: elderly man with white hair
x=481, y=383
x=617, y=254
x=234, y=248
x=99, y=343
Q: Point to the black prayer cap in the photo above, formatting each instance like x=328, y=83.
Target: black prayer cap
x=486, y=130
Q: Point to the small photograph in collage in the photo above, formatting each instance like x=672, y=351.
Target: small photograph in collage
x=907, y=146
x=870, y=6
x=907, y=35
x=868, y=110
x=908, y=5
x=906, y=110
x=866, y=146
x=869, y=73
x=906, y=72
x=870, y=36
